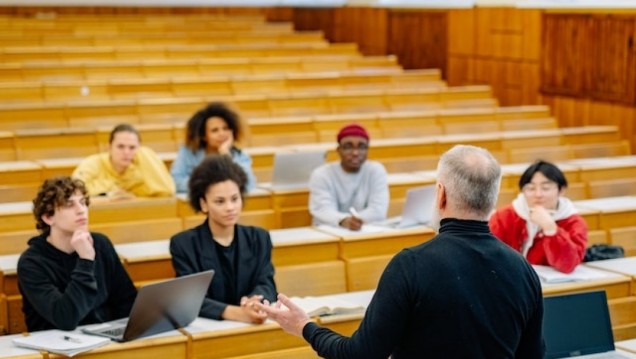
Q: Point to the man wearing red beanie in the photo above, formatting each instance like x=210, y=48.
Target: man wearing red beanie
x=353, y=191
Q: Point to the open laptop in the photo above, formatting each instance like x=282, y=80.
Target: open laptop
x=417, y=210
x=159, y=307
x=292, y=170
x=578, y=325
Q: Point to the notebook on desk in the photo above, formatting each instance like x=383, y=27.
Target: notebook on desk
x=578, y=325
x=417, y=210
x=159, y=307
x=292, y=170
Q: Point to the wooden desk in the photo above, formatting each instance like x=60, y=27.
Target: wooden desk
x=228, y=339
x=147, y=261
x=11, y=316
x=614, y=284
x=58, y=166
x=624, y=266
x=16, y=216
x=258, y=210
x=8, y=350
x=168, y=345
x=366, y=255
x=613, y=211
x=291, y=207
x=213, y=339
x=19, y=180
x=306, y=262
x=595, y=169
x=626, y=347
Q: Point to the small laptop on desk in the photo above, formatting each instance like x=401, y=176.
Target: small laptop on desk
x=159, y=307
x=417, y=210
x=578, y=326
x=292, y=170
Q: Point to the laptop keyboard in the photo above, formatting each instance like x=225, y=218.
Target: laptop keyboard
x=115, y=332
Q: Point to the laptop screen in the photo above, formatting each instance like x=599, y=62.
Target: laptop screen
x=577, y=324
x=418, y=208
x=292, y=170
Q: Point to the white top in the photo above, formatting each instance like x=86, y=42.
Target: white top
x=332, y=192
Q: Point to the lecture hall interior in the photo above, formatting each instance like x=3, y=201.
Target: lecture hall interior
x=525, y=79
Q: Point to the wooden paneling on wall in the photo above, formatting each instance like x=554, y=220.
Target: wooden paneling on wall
x=499, y=47
x=566, y=55
x=589, y=56
x=573, y=111
x=365, y=26
x=419, y=38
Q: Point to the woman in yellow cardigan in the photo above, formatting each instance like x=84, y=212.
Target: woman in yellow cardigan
x=127, y=169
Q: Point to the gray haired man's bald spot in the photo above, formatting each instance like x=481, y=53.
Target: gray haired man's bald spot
x=471, y=176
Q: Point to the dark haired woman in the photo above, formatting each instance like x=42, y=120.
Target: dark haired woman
x=542, y=224
x=211, y=130
x=240, y=255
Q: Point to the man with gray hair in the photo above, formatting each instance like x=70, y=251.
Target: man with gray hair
x=463, y=294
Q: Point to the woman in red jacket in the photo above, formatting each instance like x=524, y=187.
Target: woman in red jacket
x=540, y=223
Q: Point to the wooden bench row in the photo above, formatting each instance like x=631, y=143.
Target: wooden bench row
x=397, y=154
x=57, y=72
x=113, y=26
x=19, y=179
x=329, y=262
x=158, y=38
x=288, y=208
x=284, y=84
x=174, y=52
x=170, y=110
x=307, y=261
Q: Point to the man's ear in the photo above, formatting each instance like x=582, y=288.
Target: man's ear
x=47, y=219
x=440, y=199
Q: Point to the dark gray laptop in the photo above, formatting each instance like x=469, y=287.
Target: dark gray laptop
x=159, y=307
x=578, y=325
x=292, y=170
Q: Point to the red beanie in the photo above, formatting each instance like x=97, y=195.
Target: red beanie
x=353, y=130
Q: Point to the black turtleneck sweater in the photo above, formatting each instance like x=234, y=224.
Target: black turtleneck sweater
x=62, y=291
x=463, y=294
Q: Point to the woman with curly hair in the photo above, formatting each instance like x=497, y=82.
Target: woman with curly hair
x=213, y=130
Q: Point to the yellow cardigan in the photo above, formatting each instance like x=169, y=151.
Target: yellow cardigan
x=147, y=176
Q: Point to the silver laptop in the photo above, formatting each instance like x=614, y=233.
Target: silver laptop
x=578, y=326
x=417, y=210
x=159, y=307
x=292, y=170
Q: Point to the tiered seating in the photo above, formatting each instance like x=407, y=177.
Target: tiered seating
x=137, y=88
x=52, y=72
x=299, y=100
